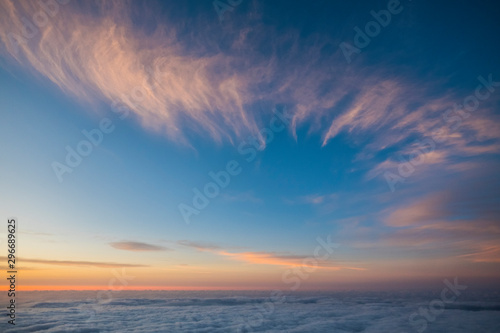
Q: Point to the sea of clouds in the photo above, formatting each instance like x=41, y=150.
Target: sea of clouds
x=250, y=311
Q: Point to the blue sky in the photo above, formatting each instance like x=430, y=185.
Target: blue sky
x=194, y=86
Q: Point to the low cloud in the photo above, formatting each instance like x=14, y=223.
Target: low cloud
x=137, y=246
x=201, y=246
x=76, y=263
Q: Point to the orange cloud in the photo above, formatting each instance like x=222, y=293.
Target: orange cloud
x=267, y=258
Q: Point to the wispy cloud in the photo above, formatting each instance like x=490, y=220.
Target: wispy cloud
x=485, y=253
x=277, y=259
x=201, y=246
x=36, y=233
x=427, y=210
x=266, y=258
x=163, y=83
x=248, y=196
x=460, y=222
x=176, y=85
x=76, y=263
x=137, y=246
x=316, y=199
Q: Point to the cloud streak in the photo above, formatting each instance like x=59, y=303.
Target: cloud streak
x=76, y=263
x=164, y=85
x=276, y=259
x=136, y=246
x=201, y=246
x=267, y=258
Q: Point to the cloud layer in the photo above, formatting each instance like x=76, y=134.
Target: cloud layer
x=226, y=312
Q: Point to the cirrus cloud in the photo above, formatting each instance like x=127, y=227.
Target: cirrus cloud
x=137, y=246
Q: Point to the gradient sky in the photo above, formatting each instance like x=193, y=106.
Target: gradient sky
x=186, y=89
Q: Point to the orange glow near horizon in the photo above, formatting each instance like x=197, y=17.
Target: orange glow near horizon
x=131, y=288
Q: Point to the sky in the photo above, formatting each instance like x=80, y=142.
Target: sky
x=251, y=145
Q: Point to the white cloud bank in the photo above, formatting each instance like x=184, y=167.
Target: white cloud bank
x=225, y=311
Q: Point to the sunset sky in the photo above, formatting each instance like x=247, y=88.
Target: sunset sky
x=319, y=141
